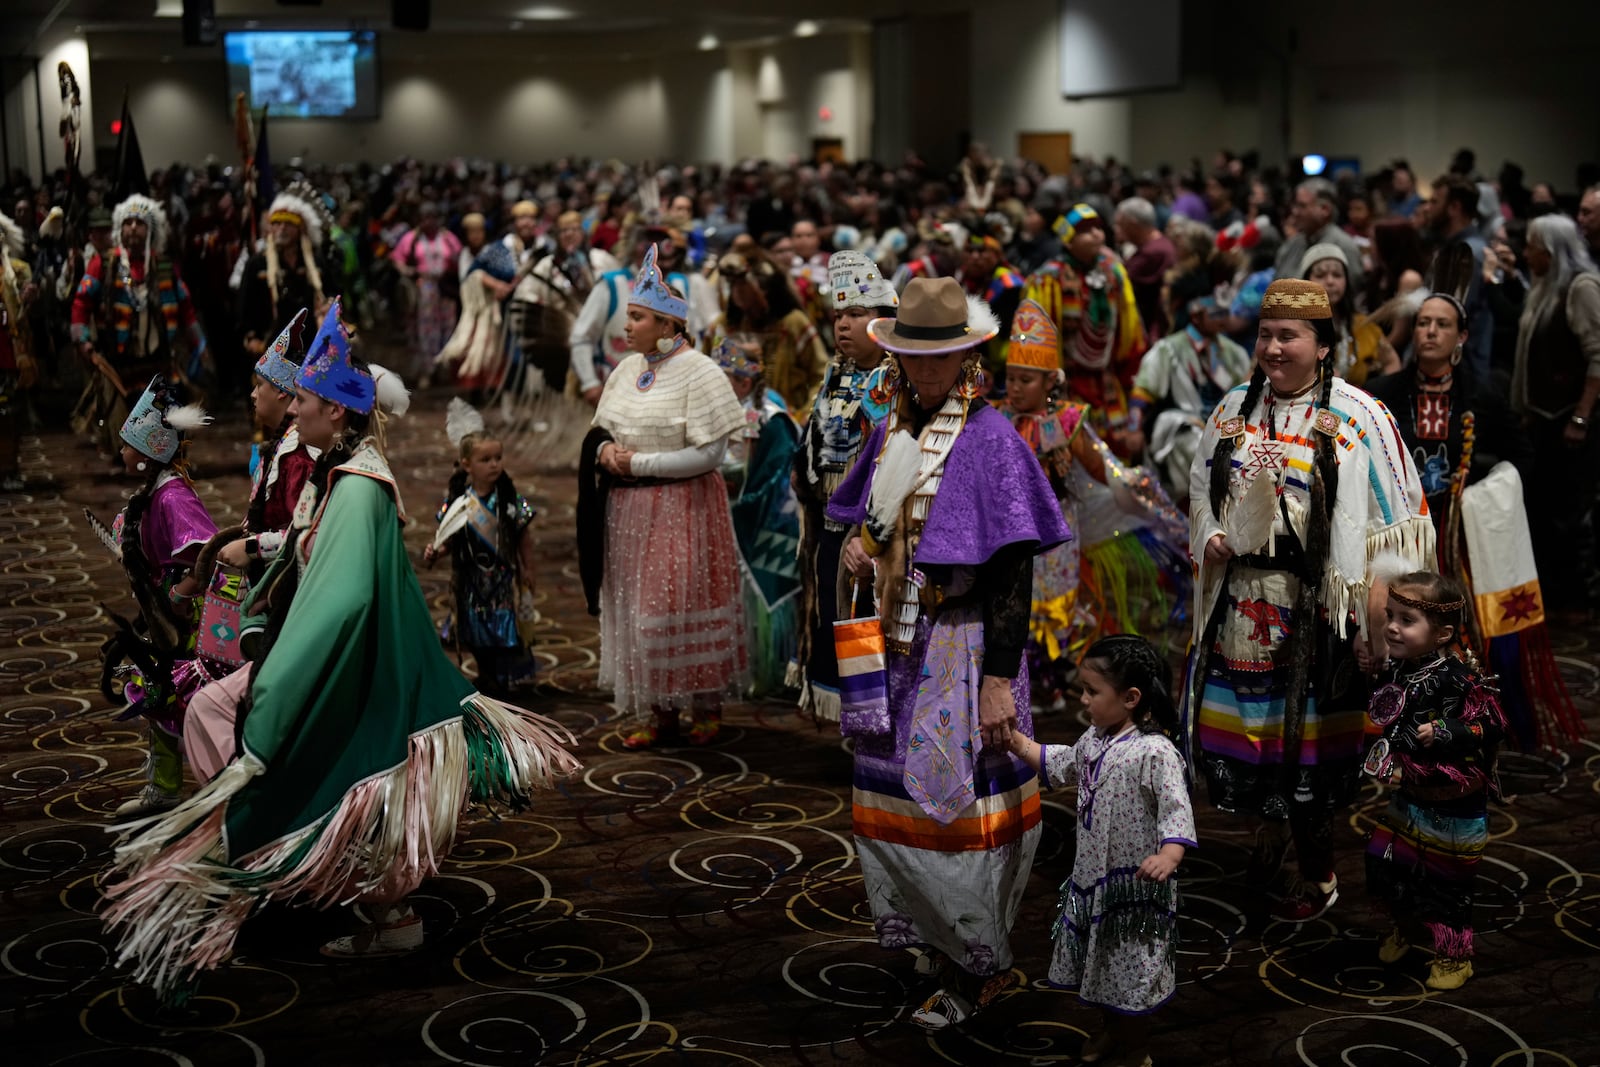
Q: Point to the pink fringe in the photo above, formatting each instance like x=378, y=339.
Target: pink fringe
x=1449, y=942
x=180, y=903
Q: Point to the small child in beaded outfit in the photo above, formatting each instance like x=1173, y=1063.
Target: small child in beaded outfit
x=491, y=549
x=1116, y=933
x=1442, y=724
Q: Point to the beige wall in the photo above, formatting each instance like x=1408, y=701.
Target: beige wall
x=501, y=101
x=1016, y=85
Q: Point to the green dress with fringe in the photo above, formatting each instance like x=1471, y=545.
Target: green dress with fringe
x=360, y=750
x=766, y=527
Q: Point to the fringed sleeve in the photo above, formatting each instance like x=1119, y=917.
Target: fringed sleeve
x=1388, y=518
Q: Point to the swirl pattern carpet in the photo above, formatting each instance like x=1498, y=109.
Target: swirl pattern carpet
x=696, y=906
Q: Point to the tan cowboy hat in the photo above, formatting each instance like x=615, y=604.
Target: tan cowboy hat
x=936, y=316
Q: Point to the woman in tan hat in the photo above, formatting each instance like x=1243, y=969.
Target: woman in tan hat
x=1300, y=483
x=953, y=507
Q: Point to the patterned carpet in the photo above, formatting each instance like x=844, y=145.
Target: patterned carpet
x=694, y=906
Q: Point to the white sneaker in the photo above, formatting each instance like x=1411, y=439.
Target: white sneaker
x=150, y=801
x=378, y=939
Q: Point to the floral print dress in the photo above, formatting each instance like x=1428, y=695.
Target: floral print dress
x=1116, y=936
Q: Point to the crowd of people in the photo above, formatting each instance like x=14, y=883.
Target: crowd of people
x=925, y=453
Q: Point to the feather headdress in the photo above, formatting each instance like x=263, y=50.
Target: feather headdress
x=461, y=419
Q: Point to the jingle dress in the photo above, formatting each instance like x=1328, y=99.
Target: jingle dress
x=840, y=420
x=671, y=627
x=1115, y=935
x=1424, y=853
x=946, y=831
x=360, y=751
x=1244, y=609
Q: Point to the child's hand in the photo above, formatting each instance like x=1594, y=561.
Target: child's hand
x=1425, y=734
x=429, y=555
x=1158, y=867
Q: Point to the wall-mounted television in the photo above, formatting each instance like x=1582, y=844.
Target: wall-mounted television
x=305, y=74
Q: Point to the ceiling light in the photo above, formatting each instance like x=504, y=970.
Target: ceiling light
x=169, y=9
x=805, y=28
x=544, y=12
x=708, y=42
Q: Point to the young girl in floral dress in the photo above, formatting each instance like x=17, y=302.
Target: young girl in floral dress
x=1116, y=931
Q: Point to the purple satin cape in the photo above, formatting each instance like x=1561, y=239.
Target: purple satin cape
x=176, y=525
x=993, y=494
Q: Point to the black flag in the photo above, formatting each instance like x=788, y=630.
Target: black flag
x=131, y=176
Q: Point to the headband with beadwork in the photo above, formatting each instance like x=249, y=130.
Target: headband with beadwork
x=1433, y=607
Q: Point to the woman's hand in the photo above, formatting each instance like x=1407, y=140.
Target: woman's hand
x=616, y=459
x=1218, y=550
x=855, y=559
x=233, y=554
x=997, y=712
x=1574, y=435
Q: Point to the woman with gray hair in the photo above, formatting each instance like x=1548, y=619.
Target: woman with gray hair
x=1554, y=386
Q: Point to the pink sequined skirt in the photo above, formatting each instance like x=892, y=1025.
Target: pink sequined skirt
x=671, y=625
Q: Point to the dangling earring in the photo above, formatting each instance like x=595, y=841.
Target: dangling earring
x=971, y=386
x=1455, y=357
x=885, y=384
x=140, y=466
x=667, y=344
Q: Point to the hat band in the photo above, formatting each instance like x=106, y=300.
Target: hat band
x=929, y=333
x=283, y=215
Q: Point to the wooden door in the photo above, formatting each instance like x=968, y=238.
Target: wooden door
x=1053, y=150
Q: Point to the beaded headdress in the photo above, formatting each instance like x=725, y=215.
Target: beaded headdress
x=328, y=372
x=1080, y=217
x=652, y=293
x=856, y=282
x=734, y=356
x=280, y=363
x=1035, y=341
x=1295, y=298
x=157, y=423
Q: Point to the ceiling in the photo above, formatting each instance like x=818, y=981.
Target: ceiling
x=22, y=22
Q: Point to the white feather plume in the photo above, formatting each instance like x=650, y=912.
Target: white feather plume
x=894, y=479
x=1387, y=566
x=12, y=242
x=1412, y=302
x=981, y=319
x=461, y=419
x=186, y=419
x=393, y=396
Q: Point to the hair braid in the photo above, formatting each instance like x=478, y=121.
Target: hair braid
x=255, y=515
x=1222, y=457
